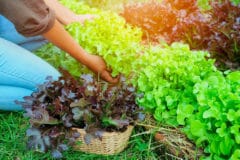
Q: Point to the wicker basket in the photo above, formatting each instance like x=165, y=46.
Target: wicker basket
x=111, y=143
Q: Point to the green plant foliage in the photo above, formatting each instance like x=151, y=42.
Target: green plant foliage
x=215, y=30
x=59, y=58
x=107, y=35
x=178, y=86
x=183, y=88
x=204, y=4
x=167, y=76
x=79, y=7
x=110, y=37
x=235, y=2
x=112, y=5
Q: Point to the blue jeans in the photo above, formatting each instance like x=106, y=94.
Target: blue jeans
x=20, y=70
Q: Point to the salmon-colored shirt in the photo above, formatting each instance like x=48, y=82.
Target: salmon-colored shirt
x=30, y=17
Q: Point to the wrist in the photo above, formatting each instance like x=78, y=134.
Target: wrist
x=85, y=59
x=71, y=19
x=68, y=19
x=80, y=55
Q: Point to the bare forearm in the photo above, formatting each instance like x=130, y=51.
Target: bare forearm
x=64, y=15
x=61, y=38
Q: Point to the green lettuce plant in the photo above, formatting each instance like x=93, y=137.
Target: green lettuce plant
x=110, y=37
x=180, y=87
x=107, y=35
x=183, y=88
x=59, y=58
x=215, y=30
x=166, y=75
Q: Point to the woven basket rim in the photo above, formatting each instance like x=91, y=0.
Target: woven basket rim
x=105, y=133
x=111, y=142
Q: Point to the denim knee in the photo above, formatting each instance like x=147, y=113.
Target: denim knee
x=21, y=68
x=8, y=96
x=20, y=73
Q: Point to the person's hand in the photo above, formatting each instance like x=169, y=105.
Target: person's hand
x=78, y=18
x=82, y=18
x=98, y=66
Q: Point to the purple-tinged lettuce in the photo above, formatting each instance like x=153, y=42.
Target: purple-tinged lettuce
x=91, y=104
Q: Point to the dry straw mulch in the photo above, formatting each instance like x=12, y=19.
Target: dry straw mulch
x=177, y=145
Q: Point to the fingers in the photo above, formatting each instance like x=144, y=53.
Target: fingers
x=87, y=17
x=107, y=77
x=99, y=66
x=109, y=70
x=92, y=16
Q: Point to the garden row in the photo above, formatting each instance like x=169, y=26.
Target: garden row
x=178, y=86
x=203, y=25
